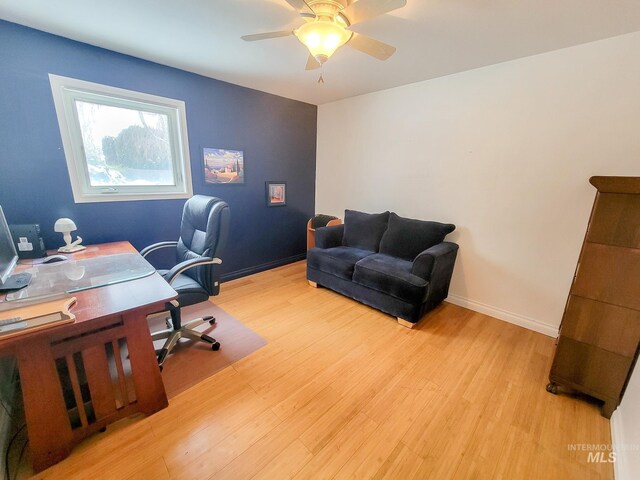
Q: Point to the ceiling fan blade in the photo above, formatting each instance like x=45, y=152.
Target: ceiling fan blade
x=308, y=17
x=370, y=46
x=365, y=9
x=300, y=5
x=265, y=36
x=312, y=63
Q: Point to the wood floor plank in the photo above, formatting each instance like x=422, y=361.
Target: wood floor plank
x=403, y=409
x=155, y=469
x=261, y=453
x=230, y=417
x=220, y=454
x=339, y=449
x=402, y=463
x=341, y=391
x=287, y=464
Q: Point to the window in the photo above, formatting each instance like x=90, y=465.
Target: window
x=121, y=145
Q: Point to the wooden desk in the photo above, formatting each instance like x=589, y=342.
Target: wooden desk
x=76, y=378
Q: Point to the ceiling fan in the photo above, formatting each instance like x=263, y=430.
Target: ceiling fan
x=327, y=27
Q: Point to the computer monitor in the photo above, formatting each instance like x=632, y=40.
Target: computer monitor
x=9, y=259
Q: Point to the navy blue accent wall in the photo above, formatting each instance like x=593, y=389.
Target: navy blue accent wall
x=277, y=135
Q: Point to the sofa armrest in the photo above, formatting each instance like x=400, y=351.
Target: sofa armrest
x=328, y=237
x=435, y=262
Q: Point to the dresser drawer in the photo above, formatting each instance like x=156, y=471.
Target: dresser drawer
x=612, y=328
x=616, y=220
x=609, y=274
x=597, y=371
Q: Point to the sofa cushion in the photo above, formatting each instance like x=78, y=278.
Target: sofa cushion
x=338, y=261
x=364, y=230
x=406, y=237
x=390, y=275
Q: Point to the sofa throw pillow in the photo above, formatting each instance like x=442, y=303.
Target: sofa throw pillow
x=364, y=230
x=406, y=238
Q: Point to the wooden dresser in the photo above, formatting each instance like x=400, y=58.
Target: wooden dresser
x=599, y=336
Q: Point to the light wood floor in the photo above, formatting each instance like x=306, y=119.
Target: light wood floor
x=342, y=391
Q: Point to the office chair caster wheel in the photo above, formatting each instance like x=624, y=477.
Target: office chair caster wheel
x=215, y=347
x=552, y=388
x=211, y=320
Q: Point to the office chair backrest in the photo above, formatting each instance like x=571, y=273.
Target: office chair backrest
x=203, y=233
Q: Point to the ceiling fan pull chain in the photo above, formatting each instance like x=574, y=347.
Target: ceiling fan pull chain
x=321, y=79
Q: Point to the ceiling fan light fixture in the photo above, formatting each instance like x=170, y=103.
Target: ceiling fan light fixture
x=322, y=38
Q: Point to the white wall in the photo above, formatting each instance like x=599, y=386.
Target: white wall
x=625, y=431
x=504, y=152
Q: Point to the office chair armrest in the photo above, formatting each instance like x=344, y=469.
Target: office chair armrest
x=157, y=246
x=172, y=274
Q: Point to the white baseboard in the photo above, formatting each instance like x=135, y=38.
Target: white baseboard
x=616, y=439
x=516, y=319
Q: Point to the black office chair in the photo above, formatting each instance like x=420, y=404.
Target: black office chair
x=203, y=235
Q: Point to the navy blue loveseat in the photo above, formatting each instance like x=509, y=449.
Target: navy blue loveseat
x=398, y=265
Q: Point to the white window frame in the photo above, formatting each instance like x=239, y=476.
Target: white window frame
x=67, y=90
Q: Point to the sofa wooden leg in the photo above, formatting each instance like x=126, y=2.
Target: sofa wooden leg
x=313, y=284
x=404, y=323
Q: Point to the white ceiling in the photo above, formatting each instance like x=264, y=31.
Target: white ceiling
x=433, y=37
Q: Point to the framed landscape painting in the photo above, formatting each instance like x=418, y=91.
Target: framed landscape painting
x=276, y=194
x=223, y=166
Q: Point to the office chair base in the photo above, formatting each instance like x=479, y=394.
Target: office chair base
x=173, y=337
x=215, y=345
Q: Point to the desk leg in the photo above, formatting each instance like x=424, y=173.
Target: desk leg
x=50, y=437
x=150, y=393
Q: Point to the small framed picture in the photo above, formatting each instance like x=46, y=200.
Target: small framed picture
x=276, y=194
x=223, y=166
